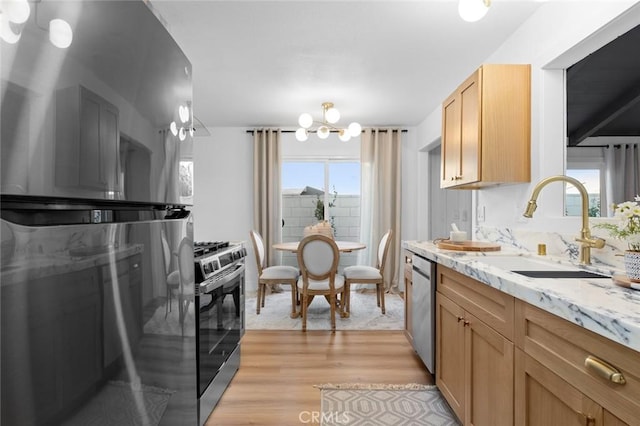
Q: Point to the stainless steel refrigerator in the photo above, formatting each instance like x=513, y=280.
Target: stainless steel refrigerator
x=96, y=293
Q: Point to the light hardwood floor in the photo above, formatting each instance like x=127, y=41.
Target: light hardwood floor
x=278, y=369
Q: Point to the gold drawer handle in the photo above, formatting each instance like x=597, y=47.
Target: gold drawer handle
x=604, y=370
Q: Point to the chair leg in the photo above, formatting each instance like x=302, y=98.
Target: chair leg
x=345, y=301
x=264, y=294
x=332, y=303
x=294, y=300
x=168, y=307
x=381, y=293
x=378, y=294
x=304, y=311
x=258, y=298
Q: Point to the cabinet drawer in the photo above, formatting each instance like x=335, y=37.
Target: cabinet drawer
x=564, y=347
x=493, y=307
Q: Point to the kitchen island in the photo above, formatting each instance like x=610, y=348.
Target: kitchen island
x=512, y=349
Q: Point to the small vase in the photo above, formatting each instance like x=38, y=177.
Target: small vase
x=632, y=265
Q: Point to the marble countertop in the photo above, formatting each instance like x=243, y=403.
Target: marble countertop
x=598, y=305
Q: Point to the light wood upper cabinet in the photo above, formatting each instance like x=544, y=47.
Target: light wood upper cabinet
x=486, y=129
x=87, y=141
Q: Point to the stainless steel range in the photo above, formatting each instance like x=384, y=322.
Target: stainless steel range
x=219, y=272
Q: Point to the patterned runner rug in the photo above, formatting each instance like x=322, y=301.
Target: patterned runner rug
x=384, y=405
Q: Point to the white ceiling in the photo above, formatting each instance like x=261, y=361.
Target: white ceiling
x=383, y=63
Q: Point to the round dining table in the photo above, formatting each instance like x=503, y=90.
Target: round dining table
x=343, y=246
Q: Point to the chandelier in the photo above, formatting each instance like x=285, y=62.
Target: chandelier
x=330, y=116
x=14, y=15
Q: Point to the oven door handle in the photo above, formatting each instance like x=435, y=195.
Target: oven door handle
x=209, y=286
x=232, y=276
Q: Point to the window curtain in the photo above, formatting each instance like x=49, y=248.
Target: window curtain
x=381, y=199
x=267, y=214
x=623, y=169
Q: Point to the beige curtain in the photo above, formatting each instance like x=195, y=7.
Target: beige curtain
x=267, y=215
x=381, y=197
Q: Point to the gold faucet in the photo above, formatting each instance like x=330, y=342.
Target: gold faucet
x=585, y=240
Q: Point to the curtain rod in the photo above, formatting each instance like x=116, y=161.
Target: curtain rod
x=332, y=131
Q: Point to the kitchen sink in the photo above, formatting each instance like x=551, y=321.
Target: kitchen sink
x=523, y=263
x=561, y=274
x=536, y=267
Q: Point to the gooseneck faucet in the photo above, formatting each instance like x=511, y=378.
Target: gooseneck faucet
x=585, y=240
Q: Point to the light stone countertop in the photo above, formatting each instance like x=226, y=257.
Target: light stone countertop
x=42, y=266
x=598, y=305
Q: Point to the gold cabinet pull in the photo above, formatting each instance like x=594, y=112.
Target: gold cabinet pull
x=604, y=370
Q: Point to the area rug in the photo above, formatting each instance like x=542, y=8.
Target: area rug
x=384, y=405
x=123, y=404
x=365, y=314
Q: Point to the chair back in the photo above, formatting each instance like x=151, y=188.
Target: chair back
x=318, y=258
x=258, y=250
x=186, y=266
x=166, y=251
x=383, y=249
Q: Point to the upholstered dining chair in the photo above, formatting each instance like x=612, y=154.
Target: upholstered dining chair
x=186, y=293
x=280, y=274
x=172, y=276
x=362, y=274
x=318, y=258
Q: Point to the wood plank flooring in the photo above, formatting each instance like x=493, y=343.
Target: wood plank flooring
x=278, y=369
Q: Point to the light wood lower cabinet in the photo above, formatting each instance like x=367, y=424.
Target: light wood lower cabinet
x=544, y=398
x=557, y=385
x=474, y=362
x=501, y=361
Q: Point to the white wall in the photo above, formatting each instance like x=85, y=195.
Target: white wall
x=223, y=189
x=550, y=40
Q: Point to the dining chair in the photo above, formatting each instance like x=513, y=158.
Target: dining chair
x=278, y=274
x=362, y=274
x=172, y=277
x=186, y=289
x=318, y=258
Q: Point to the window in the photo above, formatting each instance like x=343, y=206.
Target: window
x=587, y=165
x=591, y=179
x=321, y=189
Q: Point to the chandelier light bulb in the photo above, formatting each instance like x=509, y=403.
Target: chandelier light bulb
x=332, y=115
x=355, y=129
x=183, y=112
x=344, y=135
x=60, y=33
x=305, y=120
x=302, y=134
x=323, y=132
x=473, y=10
x=17, y=11
x=6, y=32
x=182, y=134
x=174, y=128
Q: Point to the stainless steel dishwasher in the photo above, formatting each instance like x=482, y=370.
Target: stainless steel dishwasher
x=424, y=310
